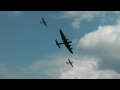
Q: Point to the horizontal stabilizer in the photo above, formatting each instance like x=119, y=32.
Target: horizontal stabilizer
x=57, y=44
x=69, y=41
x=41, y=22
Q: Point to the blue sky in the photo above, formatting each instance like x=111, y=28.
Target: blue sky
x=28, y=49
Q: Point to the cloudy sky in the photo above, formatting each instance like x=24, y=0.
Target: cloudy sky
x=28, y=49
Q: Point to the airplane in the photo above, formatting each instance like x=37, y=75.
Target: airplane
x=44, y=22
x=69, y=62
x=65, y=41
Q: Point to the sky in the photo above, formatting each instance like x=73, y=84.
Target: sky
x=28, y=49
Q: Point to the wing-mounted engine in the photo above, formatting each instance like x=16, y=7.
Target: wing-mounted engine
x=70, y=44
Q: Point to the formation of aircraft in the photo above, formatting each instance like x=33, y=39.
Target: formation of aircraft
x=69, y=62
x=44, y=22
x=65, y=41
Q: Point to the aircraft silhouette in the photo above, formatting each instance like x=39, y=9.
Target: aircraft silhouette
x=65, y=41
x=69, y=62
x=44, y=22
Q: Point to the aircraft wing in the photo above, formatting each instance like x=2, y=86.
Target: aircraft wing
x=71, y=64
x=42, y=19
x=62, y=35
x=45, y=24
x=69, y=48
x=66, y=42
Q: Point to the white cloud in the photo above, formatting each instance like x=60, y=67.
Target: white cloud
x=84, y=70
x=104, y=40
x=78, y=16
x=84, y=67
x=74, y=41
x=82, y=15
x=16, y=13
x=76, y=25
x=107, y=17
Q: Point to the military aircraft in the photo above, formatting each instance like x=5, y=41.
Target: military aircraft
x=44, y=22
x=69, y=62
x=65, y=41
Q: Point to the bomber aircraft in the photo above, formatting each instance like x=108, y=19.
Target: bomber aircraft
x=65, y=41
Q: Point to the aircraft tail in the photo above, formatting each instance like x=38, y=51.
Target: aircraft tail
x=57, y=44
x=40, y=22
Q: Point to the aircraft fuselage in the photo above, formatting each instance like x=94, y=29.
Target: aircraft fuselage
x=65, y=41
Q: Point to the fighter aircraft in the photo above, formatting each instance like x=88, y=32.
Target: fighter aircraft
x=44, y=22
x=65, y=41
x=69, y=62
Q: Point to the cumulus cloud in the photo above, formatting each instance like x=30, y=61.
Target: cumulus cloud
x=78, y=16
x=104, y=40
x=85, y=67
x=76, y=25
